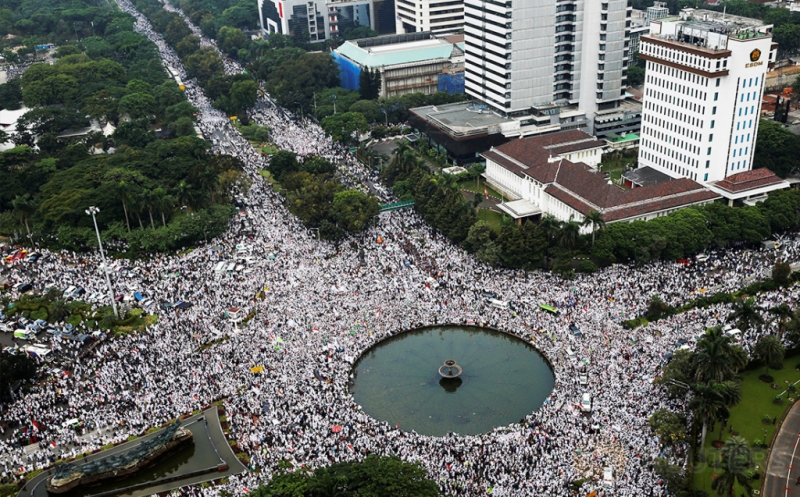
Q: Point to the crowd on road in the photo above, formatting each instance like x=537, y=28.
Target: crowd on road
x=316, y=308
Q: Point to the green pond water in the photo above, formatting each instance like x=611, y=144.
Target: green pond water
x=503, y=379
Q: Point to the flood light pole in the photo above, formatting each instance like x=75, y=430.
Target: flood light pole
x=92, y=211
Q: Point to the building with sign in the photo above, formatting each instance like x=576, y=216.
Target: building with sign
x=704, y=82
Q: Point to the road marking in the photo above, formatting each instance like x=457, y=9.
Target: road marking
x=789, y=473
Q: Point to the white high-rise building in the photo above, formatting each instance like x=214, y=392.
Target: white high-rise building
x=704, y=82
x=437, y=16
x=532, y=57
x=320, y=20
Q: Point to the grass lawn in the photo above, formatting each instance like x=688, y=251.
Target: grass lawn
x=470, y=186
x=495, y=219
x=615, y=166
x=266, y=175
x=746, y=418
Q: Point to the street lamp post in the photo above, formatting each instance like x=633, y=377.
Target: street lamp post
x=92, y=211
x=387, y=116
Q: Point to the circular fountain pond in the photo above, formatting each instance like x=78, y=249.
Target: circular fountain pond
x=406, y=381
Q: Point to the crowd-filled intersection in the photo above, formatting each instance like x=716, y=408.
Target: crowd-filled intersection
x=323, y=306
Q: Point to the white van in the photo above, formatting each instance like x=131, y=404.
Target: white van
x=608, y=477
x=571, y=355
x=220, y=267
x=69, y=291
x=38, y=351
x=500, y=304
x=735, y=334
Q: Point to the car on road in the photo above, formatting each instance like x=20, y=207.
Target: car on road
x=608, y=477
x=583, y=379
x=586, y=402
x=15, y=256
x=499, y=304
x=24, y=334
x=575, y=330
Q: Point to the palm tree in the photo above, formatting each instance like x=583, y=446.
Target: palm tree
x=209, y=180
x=163, y=203
x=124, y=192
x=137, y=207
x=148, y=200
x=402, y=163
x=52, y=294
x=550, y=227
x=595, y=219
x=770, y=351
x=23, y=207
x=126, y=184
x=781, y=312
x=793, y=327
x=184, y=194
x=737, y=467
x=732, y=394
x=569, y=233
x=716, y=358
x=59, y=310
x=708, y=404
x=746, y=314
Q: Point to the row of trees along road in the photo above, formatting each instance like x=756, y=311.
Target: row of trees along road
x=313, y=192
x=154, y=194
x=299, y=75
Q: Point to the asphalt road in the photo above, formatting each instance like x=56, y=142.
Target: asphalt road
x=783, y=467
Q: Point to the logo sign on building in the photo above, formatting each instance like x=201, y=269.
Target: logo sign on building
x=754, y=56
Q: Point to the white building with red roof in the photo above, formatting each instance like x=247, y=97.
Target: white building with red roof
x=542, y=182
x=749, y=187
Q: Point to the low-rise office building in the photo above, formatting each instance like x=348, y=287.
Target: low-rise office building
x=408, y=63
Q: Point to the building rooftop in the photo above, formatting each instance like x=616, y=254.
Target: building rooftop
x=716, y=21
x=748, y=180
x=393, y=50
x=465, y=119
x=644, y=176
x=706, y=30
x=518, y=209
x=536, y=156
x=585, y=190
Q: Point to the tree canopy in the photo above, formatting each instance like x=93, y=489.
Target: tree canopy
x=373, y=477
x=154, y=194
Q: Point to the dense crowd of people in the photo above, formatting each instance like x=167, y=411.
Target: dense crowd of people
x=320, y=307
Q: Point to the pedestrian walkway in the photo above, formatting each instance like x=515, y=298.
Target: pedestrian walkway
x=406, y=204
